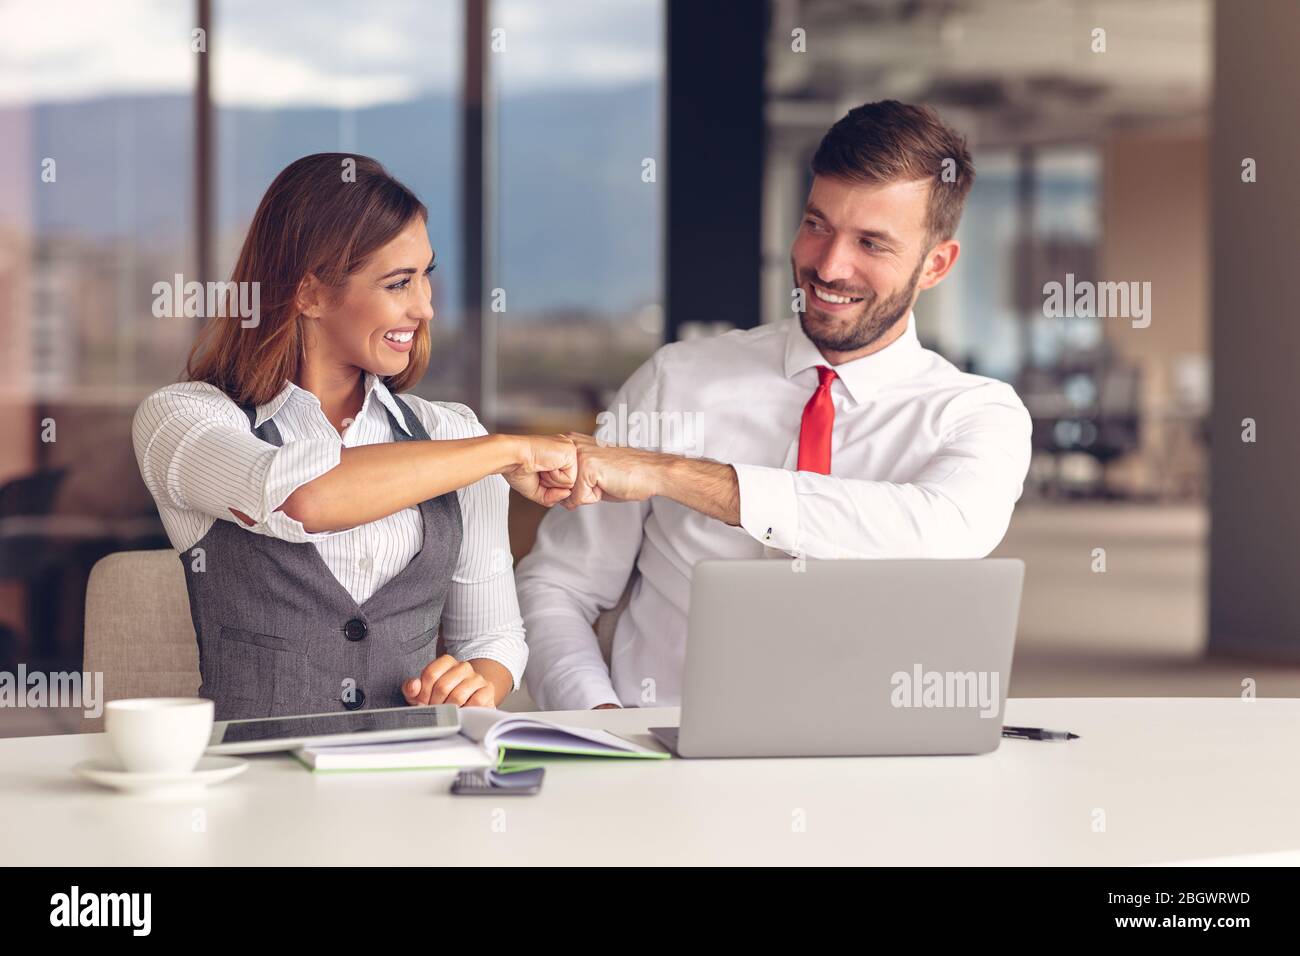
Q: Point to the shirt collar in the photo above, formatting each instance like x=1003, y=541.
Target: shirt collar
x=373, y=385
x=271, y=408
x=862, y=376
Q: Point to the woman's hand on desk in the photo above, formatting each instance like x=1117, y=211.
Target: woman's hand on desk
x=545, y=468
x=464, y=683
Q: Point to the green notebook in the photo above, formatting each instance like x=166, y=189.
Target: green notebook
x=486, y=737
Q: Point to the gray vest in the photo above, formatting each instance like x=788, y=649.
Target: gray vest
x=279, y=635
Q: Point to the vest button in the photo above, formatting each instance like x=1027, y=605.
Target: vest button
x=358, y=700
x=355, y=629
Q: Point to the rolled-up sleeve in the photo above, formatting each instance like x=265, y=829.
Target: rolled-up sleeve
x=957, y=506
x=197, y=453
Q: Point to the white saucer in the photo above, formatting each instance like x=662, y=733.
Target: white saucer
x=107, y=772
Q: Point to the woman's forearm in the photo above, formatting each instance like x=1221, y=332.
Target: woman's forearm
x=373, y=481
x=495, y=674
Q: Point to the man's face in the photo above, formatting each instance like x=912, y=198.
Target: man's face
x=858, y=257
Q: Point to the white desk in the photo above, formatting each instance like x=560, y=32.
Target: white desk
x=1178, y=779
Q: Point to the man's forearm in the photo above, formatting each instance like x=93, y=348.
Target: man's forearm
x=617, y=473
x=708, y=487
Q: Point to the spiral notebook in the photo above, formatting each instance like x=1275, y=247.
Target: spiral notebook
x=486, y=737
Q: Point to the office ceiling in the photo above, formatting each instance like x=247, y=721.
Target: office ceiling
x=1009, y=71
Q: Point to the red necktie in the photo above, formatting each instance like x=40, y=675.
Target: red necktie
x=815, y=430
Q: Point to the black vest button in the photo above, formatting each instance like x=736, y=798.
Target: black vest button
x=357, y=701
x=355, y=629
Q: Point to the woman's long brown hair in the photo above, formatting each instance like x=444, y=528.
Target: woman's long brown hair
x=324, y=215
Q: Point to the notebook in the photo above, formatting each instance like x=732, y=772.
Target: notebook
x=485, y=738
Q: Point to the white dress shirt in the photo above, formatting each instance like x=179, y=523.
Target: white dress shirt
x=926, y=461
x=199, y=459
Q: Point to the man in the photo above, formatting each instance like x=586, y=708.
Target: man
x=835, y=435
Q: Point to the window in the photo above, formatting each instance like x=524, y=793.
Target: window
x=295, y=78
x=96, y=117
x=577, y=258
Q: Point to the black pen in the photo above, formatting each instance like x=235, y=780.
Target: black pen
x=1038, y=733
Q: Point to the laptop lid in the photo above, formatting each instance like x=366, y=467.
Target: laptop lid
x=836, y=658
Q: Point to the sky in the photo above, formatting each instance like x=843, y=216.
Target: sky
x=316, y=52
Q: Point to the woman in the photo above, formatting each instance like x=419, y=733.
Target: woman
x=326, y=539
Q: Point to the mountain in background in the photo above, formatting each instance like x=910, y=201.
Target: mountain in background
x=577, y=229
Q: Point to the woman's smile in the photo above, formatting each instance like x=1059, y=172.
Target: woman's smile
x=401, y=339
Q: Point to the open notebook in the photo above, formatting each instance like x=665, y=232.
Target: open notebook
x=485, y=737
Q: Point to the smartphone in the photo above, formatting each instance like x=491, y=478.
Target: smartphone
x=507, y=783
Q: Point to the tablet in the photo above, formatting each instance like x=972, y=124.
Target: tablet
x=269, y=734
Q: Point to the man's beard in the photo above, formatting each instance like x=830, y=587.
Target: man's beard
x=878, y=316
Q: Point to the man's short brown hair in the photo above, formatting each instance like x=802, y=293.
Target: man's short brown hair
x=889, y=141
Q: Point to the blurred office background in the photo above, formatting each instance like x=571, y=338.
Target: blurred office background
x=631, y=172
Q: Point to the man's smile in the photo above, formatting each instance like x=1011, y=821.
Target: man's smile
x=829, y=301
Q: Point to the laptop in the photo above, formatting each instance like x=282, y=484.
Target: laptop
x=805, y=658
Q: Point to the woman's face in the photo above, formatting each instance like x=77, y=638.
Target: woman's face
x=372, y=322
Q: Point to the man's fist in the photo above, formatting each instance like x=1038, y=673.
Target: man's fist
x=611, y=473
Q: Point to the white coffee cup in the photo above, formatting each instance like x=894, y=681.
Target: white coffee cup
x=158, y=734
